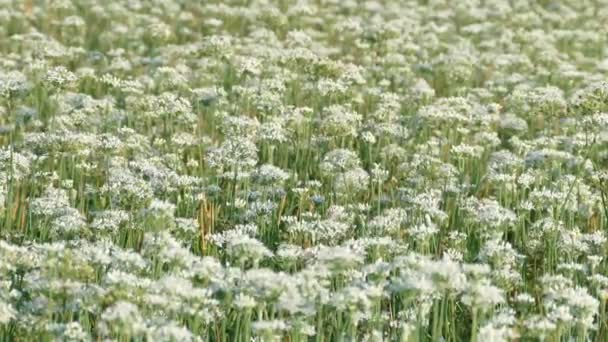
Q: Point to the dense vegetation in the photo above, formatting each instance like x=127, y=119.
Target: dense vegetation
x=311, y=170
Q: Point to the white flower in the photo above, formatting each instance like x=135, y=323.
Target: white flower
x=121, y=317
x=271, y=326
x=60, y=76
x=482, y=295
x=243, y=248
x=7, y=313
x=12, y=83
x=353, y=180
x=170, y=332
x=243, y=302
x=269, y=175
x=339, y=160
x=489, y=332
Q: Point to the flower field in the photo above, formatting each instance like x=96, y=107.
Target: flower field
x=304, y=170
